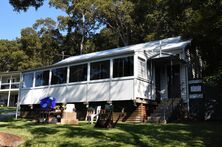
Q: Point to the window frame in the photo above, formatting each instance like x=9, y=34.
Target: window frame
x=120, y=57
x=100, y=79
x=48, y=78
x=145, y=70
x=33, y=79
x=51, y=75
x=69, y=77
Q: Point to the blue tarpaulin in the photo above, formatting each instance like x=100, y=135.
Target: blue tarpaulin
x=48, y=102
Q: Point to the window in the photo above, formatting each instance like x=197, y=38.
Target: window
x=42, y=78
x=27, y=80
x=142, y=68
x=123, y=67
x=100, y=70
x=59, y=76
x=78, y=73
x=13, y=80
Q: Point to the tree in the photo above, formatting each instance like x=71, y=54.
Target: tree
x=133, y=21
x=106, y=39
x=31, y=45
x=117, y=16
x=23, y=5
x=81, y=20
x=50, y=39
x=11, y=57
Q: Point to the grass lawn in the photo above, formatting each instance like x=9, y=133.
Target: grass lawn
x=125, y=134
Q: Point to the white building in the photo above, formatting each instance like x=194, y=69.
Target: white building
x=9, y=87
x=135, y=74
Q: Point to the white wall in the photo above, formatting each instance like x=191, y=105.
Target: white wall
x=121, y=89
x=142, y=88
x=31, y=96
x=76, y=93
x=98, y=91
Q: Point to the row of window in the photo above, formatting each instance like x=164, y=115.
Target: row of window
x=98, y=70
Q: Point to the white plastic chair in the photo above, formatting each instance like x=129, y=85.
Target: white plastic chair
x=93, y=115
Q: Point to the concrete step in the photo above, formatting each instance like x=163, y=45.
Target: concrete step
x=164, y=108
x=152, y=119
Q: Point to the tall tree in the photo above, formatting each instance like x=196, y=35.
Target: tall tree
x=31, y=45
x=23, y=5
x=117, y=15
x=11, y=57
x=81, y=20
x=50, y=39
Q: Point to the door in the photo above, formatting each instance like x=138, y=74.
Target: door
x=173, y=74
x=157, y=83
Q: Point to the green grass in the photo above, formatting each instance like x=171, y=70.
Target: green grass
x=125, y=134
x=7, y=109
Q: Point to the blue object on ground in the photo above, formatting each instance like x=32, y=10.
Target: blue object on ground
x=48, y=102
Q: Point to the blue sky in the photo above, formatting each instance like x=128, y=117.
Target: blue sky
x=12, y=22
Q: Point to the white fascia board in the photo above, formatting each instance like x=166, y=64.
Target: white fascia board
x=175, y=46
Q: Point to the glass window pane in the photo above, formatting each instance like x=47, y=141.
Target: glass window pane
x=100, y=70
x=123, y=67
x=78, y=73
x=59, y=75
x=42, y=78
x=27, y=80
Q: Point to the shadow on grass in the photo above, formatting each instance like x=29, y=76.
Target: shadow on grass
x=186, y=134
x=80, y=132
x=100, y=136
x=43, y=131
x=51, y=144
x=195, y=134
x=68, y=144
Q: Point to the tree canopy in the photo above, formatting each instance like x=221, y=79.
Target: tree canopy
x=102, y=24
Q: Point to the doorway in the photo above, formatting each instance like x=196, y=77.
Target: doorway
x=173, y=75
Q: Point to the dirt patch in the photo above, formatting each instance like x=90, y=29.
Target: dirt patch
x=9, y=140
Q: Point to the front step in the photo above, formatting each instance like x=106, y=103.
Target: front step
x=153, y=119
x=163, y=110
x=156, y=119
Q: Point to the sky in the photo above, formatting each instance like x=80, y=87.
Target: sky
x=11, y=22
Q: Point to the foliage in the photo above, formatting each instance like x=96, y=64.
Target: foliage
x=80, y=23
x=50, y=39
x=212, y=92
x=11, y=57
x=99, y=25
x=196, y=134
x=106, y=39
x=117, y=16
x=25, y=4
x=31, y=45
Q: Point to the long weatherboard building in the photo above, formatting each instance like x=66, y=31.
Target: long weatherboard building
x=132, y=77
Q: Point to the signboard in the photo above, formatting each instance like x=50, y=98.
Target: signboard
x=195, y=88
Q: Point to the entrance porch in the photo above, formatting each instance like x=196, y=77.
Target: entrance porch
x=169, y=78
x=170, y=88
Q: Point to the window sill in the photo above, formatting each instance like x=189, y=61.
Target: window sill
x=122, y=78
x=144, y=80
